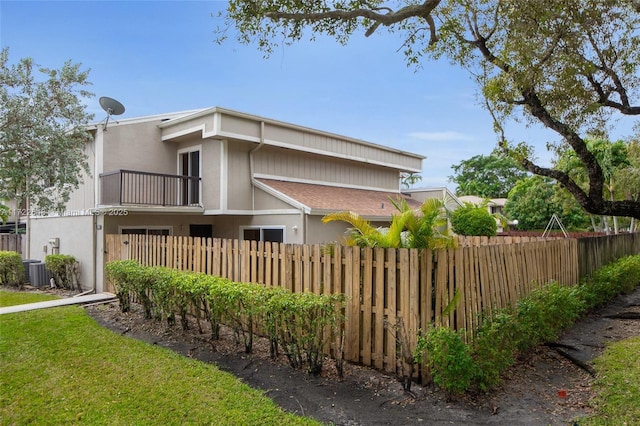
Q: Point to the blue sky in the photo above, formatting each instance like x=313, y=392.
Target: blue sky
x=160, y=56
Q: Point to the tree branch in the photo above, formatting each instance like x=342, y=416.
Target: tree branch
x=423, y=11
x=624, y=106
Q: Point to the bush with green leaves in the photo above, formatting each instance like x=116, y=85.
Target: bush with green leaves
x=303, y=323
x=11, y=269
x=122, y=274
x=537, y=318
x=546, y=311
x=240, y=306
x=605, y=283
x=63, y=268
x=299, y=323
x=472, y=220
x=447, y=357
x=494, y=347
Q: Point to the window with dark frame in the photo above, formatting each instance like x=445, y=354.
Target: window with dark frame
x=274, y=235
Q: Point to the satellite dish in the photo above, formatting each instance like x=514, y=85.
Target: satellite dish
x=111, y=107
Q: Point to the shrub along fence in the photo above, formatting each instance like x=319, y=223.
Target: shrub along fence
x=391, y=293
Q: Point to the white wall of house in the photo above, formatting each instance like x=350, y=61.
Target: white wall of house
x=76, y=239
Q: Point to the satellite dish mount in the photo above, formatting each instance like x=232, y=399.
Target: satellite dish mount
x=111, y=107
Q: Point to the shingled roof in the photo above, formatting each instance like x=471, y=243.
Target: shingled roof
x=323, y=199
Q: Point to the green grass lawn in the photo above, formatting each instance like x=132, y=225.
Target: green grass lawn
x=58, y=366
x=618, y=385
x=11, y=298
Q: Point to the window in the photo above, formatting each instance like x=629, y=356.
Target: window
x=189, y=165
x=203, y=231
x=149, y=230
x=275, y=235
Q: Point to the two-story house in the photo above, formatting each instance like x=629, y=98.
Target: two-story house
x=219, y=173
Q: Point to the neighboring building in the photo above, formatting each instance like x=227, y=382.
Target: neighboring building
x=494, y=206
x=219, y=173
x=14, y=216
x=422, y=194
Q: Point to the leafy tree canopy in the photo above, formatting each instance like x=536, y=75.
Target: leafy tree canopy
x=565, y=64
x=629, y=175
x=42, y=141
x=621, y=176
x=487, y=176
x=614, y=160
x=4, y=213
x=535, y=199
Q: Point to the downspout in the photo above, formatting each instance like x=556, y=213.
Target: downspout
x=96, y=201
x=28, y=225
x=305, y=224
x=251, y=165
x=98, y=151
x=95, y=253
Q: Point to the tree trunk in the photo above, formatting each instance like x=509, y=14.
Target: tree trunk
x=605, y=224
x=615, y=218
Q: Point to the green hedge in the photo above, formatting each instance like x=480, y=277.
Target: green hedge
x=63, y=268
x=537, y=318
x=473, y=220
x=11, y=269
x=299, y=324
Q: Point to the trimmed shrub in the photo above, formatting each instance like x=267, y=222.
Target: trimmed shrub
x=605, y=283
x=64, y=270
x=299, y=323
x=472, y=220
x=121, y=274
x=546, y=311
x=303, y=323
x=447, y=357
x=537, y=318
x=11, y=269
x=494, y=347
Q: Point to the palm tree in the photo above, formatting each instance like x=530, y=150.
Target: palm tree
x=425, y=227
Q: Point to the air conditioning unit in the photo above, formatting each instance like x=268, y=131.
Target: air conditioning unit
x=38, y=275
x=26, y=263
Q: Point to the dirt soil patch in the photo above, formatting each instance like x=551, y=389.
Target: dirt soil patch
x=543, y=388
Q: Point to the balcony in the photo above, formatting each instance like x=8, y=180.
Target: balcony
x=129, y=187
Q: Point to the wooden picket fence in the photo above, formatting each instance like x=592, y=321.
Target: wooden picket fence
x=386, y=288
x=11, y=242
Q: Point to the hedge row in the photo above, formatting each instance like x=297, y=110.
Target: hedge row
x=458, y=363
x=11, y=269
x=63, y=268
x=301, y=325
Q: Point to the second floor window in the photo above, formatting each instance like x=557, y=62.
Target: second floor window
x=190, y=167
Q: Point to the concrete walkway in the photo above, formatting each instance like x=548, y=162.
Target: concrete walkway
x=79, y=300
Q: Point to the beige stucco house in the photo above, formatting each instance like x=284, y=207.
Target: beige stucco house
x=219, y=173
